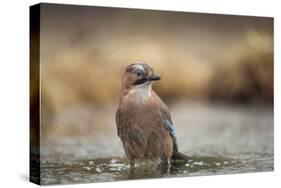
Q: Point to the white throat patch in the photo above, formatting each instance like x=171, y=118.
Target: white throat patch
x=140, y=93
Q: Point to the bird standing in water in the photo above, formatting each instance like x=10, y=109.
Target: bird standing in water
x=143, y=121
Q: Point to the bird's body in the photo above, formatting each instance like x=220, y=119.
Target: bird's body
x=143, y=121
x=143, y=138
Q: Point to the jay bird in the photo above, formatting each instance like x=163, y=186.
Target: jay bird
x=143, y=121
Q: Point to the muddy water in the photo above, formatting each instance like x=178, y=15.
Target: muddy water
x=219, y=138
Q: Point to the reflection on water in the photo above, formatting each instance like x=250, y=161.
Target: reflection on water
x=220, y=139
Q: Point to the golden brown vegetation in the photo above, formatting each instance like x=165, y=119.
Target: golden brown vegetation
x=245, y=72
x=76, y=77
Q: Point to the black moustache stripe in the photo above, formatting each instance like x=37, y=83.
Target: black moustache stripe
x=140, y=81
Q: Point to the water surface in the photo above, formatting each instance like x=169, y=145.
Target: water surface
x=219, y=138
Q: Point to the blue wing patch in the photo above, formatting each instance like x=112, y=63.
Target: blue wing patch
x=172, y=130
x=170, y=127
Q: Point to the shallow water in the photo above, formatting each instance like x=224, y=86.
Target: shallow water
x=99, y=170
x=219, y=138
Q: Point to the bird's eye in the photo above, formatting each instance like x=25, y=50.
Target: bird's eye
x=138, y=73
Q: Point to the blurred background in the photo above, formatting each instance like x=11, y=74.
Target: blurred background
x=217, y=79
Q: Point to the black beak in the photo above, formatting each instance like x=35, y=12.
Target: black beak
x=153, y=77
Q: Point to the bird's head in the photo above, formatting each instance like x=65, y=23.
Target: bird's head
x=138, y=75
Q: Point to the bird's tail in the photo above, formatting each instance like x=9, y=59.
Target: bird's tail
x=178, y=156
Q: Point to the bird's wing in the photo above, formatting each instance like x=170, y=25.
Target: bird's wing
x=167, y=121
x=117, y=119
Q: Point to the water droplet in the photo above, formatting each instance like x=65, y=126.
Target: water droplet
x=116, y=165
x=98, y=169
x=201, y=163
x=87, y=167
